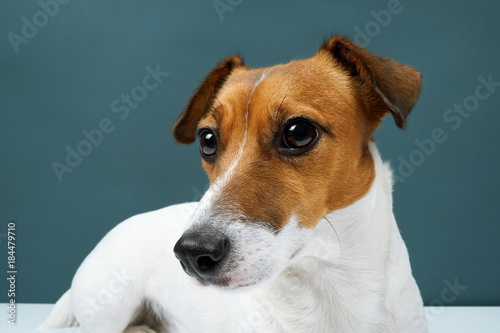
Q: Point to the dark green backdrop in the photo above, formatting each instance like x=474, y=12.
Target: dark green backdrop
x=69, y=73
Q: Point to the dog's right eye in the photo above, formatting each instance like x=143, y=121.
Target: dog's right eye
x=298, y=136
x=208, y=144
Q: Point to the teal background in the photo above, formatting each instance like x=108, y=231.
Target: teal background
x=66, y=77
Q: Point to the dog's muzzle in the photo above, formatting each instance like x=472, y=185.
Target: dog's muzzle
x=201, y=252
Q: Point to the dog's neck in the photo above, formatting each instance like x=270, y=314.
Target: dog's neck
x=347, y=266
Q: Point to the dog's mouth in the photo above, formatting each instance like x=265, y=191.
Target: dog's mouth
x=229, y=281
x=236, y=272
x=217, y=280
x=225, y=273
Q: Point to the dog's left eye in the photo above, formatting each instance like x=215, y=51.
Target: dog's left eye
x=208, y=144
x=299, y=135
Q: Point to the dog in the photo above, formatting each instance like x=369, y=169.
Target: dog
x=296, y=232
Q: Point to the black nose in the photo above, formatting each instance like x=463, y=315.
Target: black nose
x=200, y=252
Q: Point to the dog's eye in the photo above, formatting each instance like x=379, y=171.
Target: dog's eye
x=299, y=135
x=208, y=143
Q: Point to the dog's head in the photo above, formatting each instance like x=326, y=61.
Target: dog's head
x=283, y=146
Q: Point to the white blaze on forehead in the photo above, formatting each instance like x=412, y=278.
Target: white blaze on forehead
x=219, y=184
x=227, y=175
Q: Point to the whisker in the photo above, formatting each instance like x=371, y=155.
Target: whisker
x=199, y=81
x=338, y=238
x=286, y=93
x=181, y=85
x=188, y=73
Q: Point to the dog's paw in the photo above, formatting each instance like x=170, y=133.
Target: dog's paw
x=139, y=329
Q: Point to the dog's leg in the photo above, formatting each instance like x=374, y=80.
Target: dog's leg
x=106, y=302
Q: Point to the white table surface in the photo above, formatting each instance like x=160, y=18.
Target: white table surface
x=440, y=319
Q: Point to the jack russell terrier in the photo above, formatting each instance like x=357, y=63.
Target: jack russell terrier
x=296, y=232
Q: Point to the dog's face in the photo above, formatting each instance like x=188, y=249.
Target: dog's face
x=283, y=146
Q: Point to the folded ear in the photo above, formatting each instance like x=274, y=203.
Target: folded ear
x=396, y=86
x=185, y=127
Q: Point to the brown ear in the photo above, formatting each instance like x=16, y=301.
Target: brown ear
x=396, y=86
x=185, y=127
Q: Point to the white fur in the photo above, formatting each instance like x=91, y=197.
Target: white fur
x=352, y=277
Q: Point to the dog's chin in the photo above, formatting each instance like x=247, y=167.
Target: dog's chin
x=227, y=283
x=233, y=282
x=237, y=281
